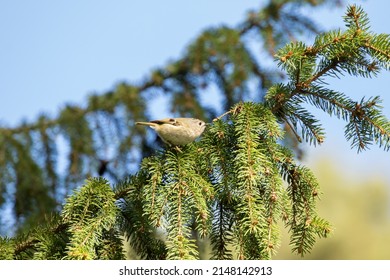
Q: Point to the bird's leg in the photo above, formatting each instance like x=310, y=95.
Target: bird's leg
x=177, y=149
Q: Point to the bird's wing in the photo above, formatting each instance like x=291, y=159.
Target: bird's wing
x=167, y=121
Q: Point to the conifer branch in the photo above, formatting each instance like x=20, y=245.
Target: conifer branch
x=292, y=128
x=221, y=116
x=338, y=52
x=383, y=53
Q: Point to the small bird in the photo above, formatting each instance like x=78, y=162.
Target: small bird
x=177, y=131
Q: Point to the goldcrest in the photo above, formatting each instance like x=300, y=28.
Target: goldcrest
x=177, y=131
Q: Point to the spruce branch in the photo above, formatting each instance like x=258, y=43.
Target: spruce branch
x=89, y=212
x=219, y=138
x=333, y=52
x=137, y=226
x=181, y=193
x=382, y=53
x=252, y=129
x=42, y=243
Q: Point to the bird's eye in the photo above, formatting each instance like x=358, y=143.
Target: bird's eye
x=200, y=123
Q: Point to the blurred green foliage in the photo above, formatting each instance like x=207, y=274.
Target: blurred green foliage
x=360, y=215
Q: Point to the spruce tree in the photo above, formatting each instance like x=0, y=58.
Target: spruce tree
x=235, y=187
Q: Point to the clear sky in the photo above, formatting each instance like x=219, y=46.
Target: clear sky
x=58, y=52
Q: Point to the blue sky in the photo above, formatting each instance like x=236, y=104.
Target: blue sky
x=58, y=52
